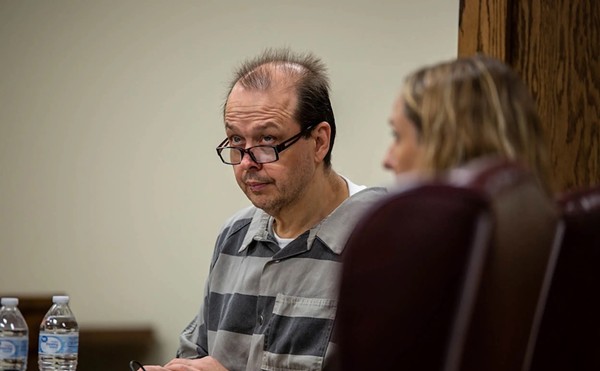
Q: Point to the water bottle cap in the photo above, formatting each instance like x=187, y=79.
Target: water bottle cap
x=11, y=302
x=60, y=299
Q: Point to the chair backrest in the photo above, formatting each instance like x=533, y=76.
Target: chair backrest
x=448, y=275
x=505, y=318
x=569, y=336
x=404, y=270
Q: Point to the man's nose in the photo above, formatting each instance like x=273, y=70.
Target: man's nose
x=248, y=162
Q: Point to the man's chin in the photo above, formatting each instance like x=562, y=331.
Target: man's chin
x=261, y=202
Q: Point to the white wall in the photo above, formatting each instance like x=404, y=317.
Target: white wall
x=110, y=187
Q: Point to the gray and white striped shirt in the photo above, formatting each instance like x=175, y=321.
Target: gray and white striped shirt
x=267, y=308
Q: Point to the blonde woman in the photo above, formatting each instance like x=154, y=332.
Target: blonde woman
x=456, y=111
x=408, y=262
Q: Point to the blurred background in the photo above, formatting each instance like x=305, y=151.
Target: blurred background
x=110, y=112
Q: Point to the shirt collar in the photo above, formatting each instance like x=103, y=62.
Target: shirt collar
x=333, y=231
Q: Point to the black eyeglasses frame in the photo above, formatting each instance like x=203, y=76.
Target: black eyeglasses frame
x=136, y=366
x=278, y=148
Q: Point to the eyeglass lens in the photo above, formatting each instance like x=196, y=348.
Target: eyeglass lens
x=260, y=154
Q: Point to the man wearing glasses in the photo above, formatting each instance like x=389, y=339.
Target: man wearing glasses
x=271, y=295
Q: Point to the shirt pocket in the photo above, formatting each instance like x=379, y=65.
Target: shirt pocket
x=298, y=333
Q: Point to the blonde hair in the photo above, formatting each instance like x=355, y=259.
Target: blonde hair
x=474, y=107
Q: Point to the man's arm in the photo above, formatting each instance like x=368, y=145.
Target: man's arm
x=193, y=341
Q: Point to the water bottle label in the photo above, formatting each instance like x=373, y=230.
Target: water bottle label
x=58, y=343
x=13, y=347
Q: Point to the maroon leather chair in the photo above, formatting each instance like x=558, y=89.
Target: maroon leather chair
x=518, y=270
x=449, y=275
x=569, y=336
x=405, y=267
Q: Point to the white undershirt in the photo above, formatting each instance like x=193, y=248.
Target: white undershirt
x=352, y=189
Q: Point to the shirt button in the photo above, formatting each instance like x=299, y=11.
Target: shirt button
x=260, y=319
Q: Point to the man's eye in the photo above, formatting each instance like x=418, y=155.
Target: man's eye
x=268, y=139
x=235, y=140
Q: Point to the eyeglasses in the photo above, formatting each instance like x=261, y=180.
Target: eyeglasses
x=262, y=154
x=136, y=366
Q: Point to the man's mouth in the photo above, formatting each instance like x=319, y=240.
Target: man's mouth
x=256, y=186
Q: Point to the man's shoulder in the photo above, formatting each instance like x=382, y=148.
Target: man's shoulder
x=235, y=227
x=371, y=193
x=240, y=218
x=337, y=227
x=358, y=203
x=366, y=197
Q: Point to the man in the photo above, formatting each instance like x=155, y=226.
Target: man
x=271, y=295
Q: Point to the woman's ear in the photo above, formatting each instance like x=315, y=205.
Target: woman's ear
x=321, y=133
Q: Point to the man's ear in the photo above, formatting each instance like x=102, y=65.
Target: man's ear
x=321, y=133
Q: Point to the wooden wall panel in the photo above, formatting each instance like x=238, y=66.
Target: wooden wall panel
x=557, y=51
x=555, y=46
x=483, y=28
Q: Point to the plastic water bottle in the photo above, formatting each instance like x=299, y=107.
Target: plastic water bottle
x=59, y=338
x=14, y=336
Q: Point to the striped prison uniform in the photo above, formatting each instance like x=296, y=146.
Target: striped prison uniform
x=267, y=308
